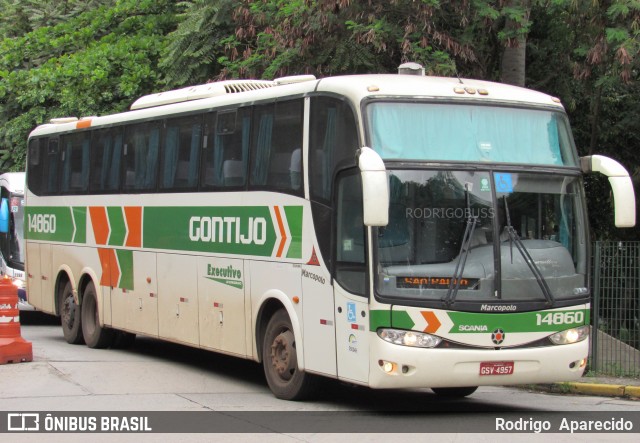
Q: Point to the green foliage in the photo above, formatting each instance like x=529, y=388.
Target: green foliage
x=97, y=61
x=96, y=56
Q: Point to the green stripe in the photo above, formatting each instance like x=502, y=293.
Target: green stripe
x=543, y=321
x=294, y=219
x=117, y=226
x=379, y=318
x=80, y=217
x=125, y=261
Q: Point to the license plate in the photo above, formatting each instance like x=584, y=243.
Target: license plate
x=496, y=368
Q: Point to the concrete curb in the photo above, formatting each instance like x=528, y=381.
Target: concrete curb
x=597, y=389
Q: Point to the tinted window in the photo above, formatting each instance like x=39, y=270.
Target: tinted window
x=106, y=149
x=333, y=138
x=226, y=148
x=141, y=156
x=75, y=162
x=180, y=153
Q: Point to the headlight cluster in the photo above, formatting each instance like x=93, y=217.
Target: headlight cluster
x=409, y=338
x=573, y=335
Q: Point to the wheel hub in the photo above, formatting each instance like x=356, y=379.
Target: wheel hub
x=283, y=355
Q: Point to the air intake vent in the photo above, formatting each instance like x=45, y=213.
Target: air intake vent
x=235, y=87
x=199, y=92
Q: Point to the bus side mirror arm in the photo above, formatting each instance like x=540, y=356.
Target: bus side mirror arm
x=623, y=194
x=375, y=188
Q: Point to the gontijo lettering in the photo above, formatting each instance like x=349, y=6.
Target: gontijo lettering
x=228, y=230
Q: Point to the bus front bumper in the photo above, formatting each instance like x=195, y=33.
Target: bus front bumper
x=394, y=366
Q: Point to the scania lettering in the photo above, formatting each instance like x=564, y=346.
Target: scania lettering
x=390, y=231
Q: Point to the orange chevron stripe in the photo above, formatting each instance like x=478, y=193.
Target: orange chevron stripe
x=110, y=272
x=100, y=224
x=133, y=216
x=283, y=233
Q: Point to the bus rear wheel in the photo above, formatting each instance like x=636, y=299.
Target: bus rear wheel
x=95, y=336
x=280, y=360
x=455, y=392
x=70, y=316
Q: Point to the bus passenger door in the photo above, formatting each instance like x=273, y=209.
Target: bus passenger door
x=221, y=300
x=350, y=286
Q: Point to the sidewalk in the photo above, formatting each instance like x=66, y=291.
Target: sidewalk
x=598, y=386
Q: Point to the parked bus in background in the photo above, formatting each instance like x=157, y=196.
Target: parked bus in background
x=12, y=249
x=392, y=231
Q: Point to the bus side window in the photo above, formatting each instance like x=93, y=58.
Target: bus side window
x=181, y=153
x=141, y=156
x=277, y=137
x=51, y=167
x=36, y=166
x=75, y=162
x=350, y=238
x=226, y=149
x=106, y=146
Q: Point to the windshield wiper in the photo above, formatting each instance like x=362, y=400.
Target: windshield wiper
x=454, y=284
x=514, y=238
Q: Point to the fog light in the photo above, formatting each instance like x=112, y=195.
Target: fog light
x=387, y=366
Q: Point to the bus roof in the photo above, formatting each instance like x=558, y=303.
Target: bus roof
x=13, y=181
x=355, y=87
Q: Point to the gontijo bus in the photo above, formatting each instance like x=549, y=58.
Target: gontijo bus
x=392, y=231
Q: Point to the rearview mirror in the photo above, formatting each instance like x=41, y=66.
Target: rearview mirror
x=623, y=195
x=375, y=188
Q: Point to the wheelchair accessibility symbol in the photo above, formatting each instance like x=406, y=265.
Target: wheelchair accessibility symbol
x=504, y=183
x=351, y=312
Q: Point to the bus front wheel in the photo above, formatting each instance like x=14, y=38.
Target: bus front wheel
x=280, y=360
x=455, y=392
x=95, y=336
x=70, y=316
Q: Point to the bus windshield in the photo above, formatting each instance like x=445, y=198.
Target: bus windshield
x=16, y=252
x=458, y=132
x=482, y=236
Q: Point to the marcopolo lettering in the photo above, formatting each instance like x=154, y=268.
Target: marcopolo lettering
x=228, y=230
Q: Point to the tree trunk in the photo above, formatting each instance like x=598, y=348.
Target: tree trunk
x=512, y=70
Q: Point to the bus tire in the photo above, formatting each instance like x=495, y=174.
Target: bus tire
x=95, y=336
x=455, y=392
x=280, y=362
x=70, y=317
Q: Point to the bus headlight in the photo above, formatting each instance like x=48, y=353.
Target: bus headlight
x=18, y=283
x=409, y=338
x=573, y=335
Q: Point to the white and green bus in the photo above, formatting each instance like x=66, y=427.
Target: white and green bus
x=12, y=251
x=391, y=231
